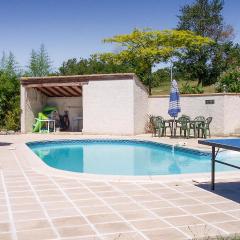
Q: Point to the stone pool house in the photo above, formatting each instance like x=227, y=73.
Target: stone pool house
x=119, y=104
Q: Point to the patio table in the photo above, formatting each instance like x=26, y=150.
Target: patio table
x=48, y=121
x=171, y=125
x=173, y=129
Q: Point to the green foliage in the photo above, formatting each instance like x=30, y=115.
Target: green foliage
x=143, y=49
x=188, y=89
x=92, y=65
x=204, y=17
x=9, y=93
x=160, y=76
x=9, y=101
x=40, y=63
x=12, y=118
x=8, y=64
x=229, y=81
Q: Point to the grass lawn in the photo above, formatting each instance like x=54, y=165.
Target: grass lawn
x=164, y=88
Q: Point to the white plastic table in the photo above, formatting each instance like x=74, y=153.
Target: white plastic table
x=48, y=121
x=76, y=119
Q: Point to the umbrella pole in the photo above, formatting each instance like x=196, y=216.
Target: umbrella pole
x=174, y=127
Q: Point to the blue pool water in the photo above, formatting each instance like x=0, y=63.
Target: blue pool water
x=127, y=157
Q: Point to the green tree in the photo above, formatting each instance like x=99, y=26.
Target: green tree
x=9, y=64
x=33, y=65
x=40, y=63
x=159, y=76
x=92, y=65
x=204, y=18
x=142, y=50
x=3, y=61
x=9, y=92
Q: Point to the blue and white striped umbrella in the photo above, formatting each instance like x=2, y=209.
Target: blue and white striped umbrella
x=174, y=101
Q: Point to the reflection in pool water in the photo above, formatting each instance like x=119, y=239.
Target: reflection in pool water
x=118, y=157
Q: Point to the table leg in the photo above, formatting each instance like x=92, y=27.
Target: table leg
x=213, y=169
x=175, y=129
x=48, y=127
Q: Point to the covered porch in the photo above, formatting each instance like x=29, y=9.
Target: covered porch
x=95, y=104
x=62, y=93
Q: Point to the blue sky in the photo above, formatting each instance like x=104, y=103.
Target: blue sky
x=75, y=28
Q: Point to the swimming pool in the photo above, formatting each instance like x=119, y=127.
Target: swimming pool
x=126, y=157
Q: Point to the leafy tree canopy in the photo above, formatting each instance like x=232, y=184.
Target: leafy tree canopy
x=204, y=17
x=92, y=65
x=142, y=49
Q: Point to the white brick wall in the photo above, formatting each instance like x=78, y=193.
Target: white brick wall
x=114, y=107
x=140, y=107
x=232, y=114
x=121, y=107
x=108, y=107
x=225, y=111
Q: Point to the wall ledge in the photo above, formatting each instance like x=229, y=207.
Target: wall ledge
x=197, y=95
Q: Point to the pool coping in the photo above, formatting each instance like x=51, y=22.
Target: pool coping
x=28, y=157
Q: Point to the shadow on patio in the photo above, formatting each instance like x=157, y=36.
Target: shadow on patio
x=230, y=190
x=2, y=144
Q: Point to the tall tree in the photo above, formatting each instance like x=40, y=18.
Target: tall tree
x=40, y=63
x=9, y=64
x=33, y=63
x=204, y=17
x=143, y=49
x=9, y=92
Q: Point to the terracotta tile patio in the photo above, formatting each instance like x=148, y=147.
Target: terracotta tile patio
x=41, y=205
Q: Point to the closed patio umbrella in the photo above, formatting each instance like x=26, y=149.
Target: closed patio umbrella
x=174, y=102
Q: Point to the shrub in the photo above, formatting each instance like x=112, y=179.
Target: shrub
x=188, y=89
x=149, y=124
x=229, y=81
x=12, y=118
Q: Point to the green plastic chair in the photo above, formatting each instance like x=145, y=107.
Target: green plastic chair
x=154, y=125
x=165, y=126
x=183, y=124
x=205, y=128
x=186, y=116
x=195, y=126
x=157, y=124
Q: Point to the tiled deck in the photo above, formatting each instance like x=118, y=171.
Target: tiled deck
x=41, y=205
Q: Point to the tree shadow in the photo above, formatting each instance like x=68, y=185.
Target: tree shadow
x=5, y=144
x=230, y=190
